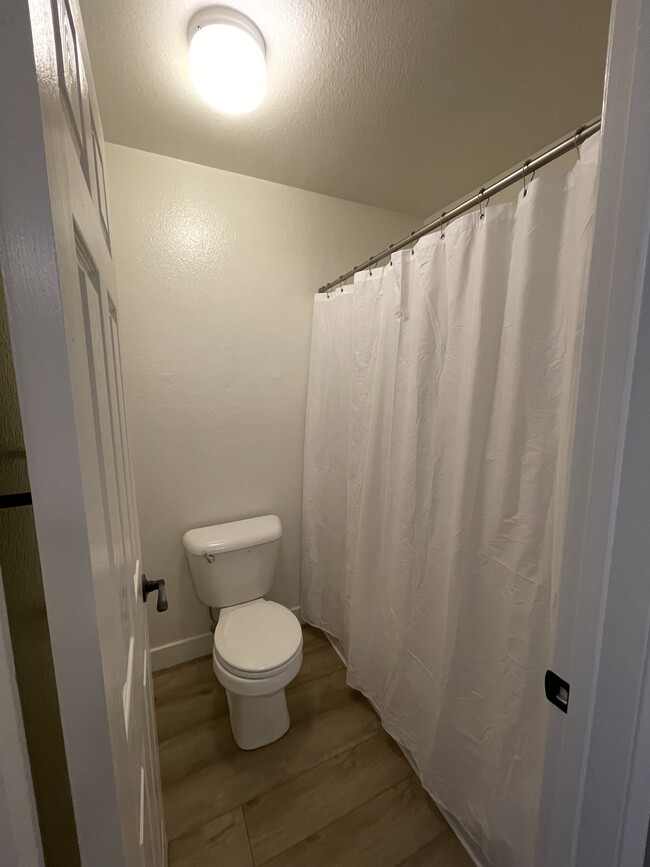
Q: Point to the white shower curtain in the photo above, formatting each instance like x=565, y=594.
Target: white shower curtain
x=440, y=414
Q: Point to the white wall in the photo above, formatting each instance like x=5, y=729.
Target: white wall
x=217, y=273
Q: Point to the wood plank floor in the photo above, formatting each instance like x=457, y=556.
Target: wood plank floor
x=334, y=791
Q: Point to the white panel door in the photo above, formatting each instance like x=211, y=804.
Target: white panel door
x=63, y=309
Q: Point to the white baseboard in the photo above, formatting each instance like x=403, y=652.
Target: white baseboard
x=181, y=651
x=338, y=647
x=296, y=610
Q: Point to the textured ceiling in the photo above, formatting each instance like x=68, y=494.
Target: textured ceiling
x=406, y=105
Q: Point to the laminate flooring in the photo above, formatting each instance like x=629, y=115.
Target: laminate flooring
x=334, y=791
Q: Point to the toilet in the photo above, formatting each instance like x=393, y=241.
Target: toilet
x=257, y=647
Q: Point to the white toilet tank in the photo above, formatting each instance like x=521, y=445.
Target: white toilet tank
x=233, y=563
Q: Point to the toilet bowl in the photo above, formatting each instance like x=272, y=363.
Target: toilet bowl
x=257, y=648
x=257, y=652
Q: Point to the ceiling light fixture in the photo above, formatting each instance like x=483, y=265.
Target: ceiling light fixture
x=227, y=59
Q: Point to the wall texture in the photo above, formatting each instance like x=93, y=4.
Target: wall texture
x=216, y=274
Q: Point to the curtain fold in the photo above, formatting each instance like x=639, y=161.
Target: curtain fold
x=442, y=392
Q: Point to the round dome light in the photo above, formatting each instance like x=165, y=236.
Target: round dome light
x=227, y=59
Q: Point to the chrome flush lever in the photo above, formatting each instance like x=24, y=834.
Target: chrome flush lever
x=149, y=587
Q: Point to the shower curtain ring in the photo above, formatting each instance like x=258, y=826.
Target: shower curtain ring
x=443, y=226
x=483, y=203
x=526, y=183
x=332, y=286
x=576, y=136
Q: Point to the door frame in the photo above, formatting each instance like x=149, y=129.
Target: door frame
x=596, y=795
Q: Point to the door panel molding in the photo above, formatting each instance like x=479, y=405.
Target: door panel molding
x=58, y=275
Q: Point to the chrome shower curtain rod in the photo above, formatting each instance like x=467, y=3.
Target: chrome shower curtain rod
x=528, y=169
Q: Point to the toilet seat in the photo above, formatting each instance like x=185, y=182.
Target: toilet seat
x=242, y=685
x=259, y=639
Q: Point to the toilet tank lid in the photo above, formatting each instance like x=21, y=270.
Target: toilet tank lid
x=230, y=537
